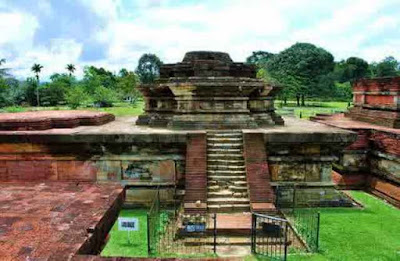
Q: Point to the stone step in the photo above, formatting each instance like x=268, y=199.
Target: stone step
x=227, y=134
x=240, y=183
x=224, y=167
x=225, y=162
x=226, y=172
x=225, y=145
x=228, y=156
x=224, y=151
x=224, y=139
x=227, y=200
x=232, y=179
x=227, y=193
x=235, y=240
x=224, y=208
x=238, y=188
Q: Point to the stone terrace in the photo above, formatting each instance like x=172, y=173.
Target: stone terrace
x=52, y=221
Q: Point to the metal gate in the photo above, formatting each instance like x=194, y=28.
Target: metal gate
x=269, y=236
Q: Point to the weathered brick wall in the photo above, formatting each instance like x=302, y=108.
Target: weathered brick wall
x=258, y=176
x=127, y=163
x=196, y=168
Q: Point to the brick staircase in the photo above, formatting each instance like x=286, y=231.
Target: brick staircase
x=226, y=172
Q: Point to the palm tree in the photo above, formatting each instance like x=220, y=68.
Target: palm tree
x=71, y=68
x=36, y=68
x=3, y=71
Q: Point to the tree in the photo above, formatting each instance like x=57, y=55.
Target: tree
x=259, y=58
x=387, y=67
x=126, y=85
x=299, y=69
x=70, y=68
x=356, y=68
x=37, y=68
x=148, y=68
x=3, y=71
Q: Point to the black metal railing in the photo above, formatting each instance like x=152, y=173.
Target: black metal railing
x=304, y=218
x=269, y=236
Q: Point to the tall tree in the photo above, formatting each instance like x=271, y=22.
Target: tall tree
x=387, y=67
x=37, y=68
x=70, y=68
x=299, y=69
x=148, y=68
x=259, y=58
x=3, y=71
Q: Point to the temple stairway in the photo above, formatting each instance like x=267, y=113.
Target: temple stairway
x=227, y=189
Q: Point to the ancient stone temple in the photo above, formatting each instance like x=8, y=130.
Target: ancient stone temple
x=207, y=90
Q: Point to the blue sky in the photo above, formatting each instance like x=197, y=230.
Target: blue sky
x=115, y=33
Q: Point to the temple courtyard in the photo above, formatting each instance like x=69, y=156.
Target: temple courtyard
x=209, y=170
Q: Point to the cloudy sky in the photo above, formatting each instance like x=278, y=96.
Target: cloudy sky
x=114, y=33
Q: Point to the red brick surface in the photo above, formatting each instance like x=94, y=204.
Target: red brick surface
x=196, y=168
x=43, y=120
x=386, y=188
x=358, y=180
x=50, y=221
x=258, y=177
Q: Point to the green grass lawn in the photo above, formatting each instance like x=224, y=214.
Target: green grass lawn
x=311, y=108
x=372, y=233
x=119, y=244
x=120, y=109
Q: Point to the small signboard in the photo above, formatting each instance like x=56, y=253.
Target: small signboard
x=200, y=227
x=128, y=224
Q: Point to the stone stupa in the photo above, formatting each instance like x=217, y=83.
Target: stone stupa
x=207, y=90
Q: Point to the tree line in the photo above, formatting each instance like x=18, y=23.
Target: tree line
x=306, y=71
x=99, y=87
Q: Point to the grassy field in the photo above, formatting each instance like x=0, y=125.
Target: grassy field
x=127, y=109
x=132, y=245
x=120, y=109
x=310, y=109
x=372, y=233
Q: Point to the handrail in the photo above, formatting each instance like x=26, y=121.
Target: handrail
x=269, y=217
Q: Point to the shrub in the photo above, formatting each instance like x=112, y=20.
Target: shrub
x=75, y=97
x=104, y=97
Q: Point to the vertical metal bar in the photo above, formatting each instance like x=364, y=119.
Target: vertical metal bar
x=148, y=235
x=294, y=198
x=215, y=233
x=285, y=242
x=253, y=236
x=318, y=223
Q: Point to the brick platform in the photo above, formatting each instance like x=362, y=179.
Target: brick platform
x=44, y=120
x=53, y=221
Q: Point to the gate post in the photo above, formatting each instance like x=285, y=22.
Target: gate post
x=215, y=232
x=253, y=233
x=286, y=245
x=148, y=236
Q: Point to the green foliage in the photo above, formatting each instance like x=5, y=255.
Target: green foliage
x=70, y=68
x=148, y=68
x=126, y=85
x=259, y=58
x=76, y=97
x=352, y=69
x=387, y=67
x=299, y=69
x=104, y=97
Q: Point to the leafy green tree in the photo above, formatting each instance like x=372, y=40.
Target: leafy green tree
x=3, y=71
x=387, y=67
x=126, y=85
x=299, y=69
x=53, y=93
x=259, y=58
x=37, y=68
x=148, y=68
x=76, y=96
x=355, y=68
x=70, y=68
x=104, y=97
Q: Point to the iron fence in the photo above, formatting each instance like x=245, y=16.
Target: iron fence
x=172, y=233
x=304, y=218
x=269, y=236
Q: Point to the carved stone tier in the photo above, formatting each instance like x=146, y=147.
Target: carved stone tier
x=208, y=91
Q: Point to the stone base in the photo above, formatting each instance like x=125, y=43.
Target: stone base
x=385, y=118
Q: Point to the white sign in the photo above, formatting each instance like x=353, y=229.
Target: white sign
x=128, y=224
